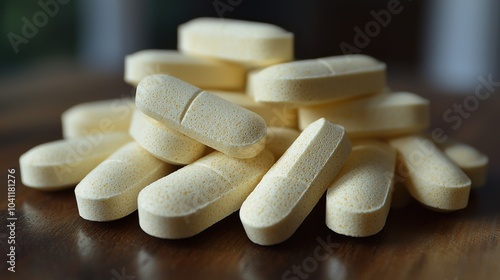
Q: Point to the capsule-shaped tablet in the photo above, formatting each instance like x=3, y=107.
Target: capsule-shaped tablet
x=164, y=143
x=63, y=163
x=198, y=195
x=377, y=116
x=358, y=200
x=432, y=178
x=293, y=186
x=472, y=162
x=400, y=196
x=201, y=72
x=109, y=192
x=251, y=76
x=206, y=118
x=279, y=139
x=96, y=117
x=316, y=81
x=278, y=115
x=246, y=42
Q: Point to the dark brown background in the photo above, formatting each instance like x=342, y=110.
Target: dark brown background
x=319, y=27
x=53, y=242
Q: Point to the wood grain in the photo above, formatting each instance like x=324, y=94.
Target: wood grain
x=53, y=242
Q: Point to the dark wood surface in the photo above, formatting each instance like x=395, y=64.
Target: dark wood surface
x=53, y=242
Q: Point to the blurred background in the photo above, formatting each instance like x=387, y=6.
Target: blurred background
x=58, y=53
x=446, y=43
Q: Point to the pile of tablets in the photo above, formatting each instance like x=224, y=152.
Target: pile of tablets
x=231, y=122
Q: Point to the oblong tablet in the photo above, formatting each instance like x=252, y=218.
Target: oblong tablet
x=279, y=139
x=211, y=120
x=377, y=116
x=164, y=143
x=252, y=43
x=358, y=200
x=315, y=81
x=433, y=179
x=201, y=72
x=63, y=163
x=400, y=196
x=197, y=196
x=109, y=192
x=291, y=188
x=97, y=117
x=277, y=115
x=472, y=162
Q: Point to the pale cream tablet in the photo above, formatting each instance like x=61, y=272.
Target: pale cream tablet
x=279, y=139
x=211, y=120
x=377, y=116
x=432, y=179
x=358, y=200
x=197, y=196
x=251, y=77
x=164, y=143
x=293, y=186
x=63, y=163
x=97, y=117
x=316, y=81
x=109, y=192
x=400, y=196
x=201, y=72
x=469, y=159
x=246, y=42
x=277, y=115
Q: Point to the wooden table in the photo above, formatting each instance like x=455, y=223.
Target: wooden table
x=53, y=242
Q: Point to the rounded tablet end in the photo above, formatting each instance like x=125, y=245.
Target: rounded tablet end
x=154, y=221
x=101, y=210
x=245, y=152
